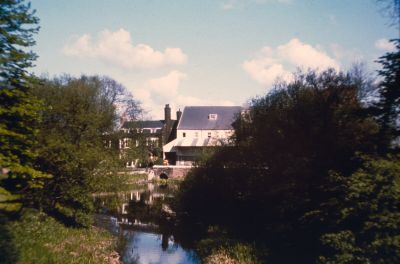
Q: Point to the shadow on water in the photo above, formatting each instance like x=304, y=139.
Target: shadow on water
x=146, y=226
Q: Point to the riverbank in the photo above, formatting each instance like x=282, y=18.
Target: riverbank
x=38, y=238
x=222, y=250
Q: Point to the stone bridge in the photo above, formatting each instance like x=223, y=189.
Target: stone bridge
x=169, y=171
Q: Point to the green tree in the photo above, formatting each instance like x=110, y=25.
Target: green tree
x=271, y=184
x=19, y=109
x=79, y=112
x=365, y=225
x=387, y=108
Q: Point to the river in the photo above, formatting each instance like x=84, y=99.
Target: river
x=144, y=224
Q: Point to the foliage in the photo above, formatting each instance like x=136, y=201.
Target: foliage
x=138, y=145
x=387, y=109
x=365, y=227
x=38, y=238
x=276, y=184
x=19, y=109
x=224, y=250
x=391, y=9
x=79, y=112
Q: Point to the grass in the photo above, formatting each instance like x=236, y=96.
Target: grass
x=218, y=248
x=38, y=238
x=226, y=251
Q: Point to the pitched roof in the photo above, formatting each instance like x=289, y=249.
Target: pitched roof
x=143, y=124
x=197, y=117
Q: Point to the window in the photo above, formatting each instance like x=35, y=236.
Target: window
x=183, y=134
x=209, y=134
x=212, y=116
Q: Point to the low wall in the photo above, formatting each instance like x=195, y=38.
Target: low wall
x=170, y=171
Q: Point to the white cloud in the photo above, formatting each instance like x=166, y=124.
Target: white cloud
x=264, y=72
x=166, y=86
x=385, y=45
x=279, y=62
x=304, y=55
x=118, y=49
x=155, y=93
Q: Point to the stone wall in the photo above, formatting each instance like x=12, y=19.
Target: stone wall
x=171, y=172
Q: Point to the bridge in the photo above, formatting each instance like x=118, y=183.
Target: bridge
x=169, y=171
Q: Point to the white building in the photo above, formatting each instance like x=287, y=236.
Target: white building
x=198, y=128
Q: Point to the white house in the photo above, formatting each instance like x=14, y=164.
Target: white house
x=198, y=128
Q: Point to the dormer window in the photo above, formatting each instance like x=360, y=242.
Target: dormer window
x=212, y=116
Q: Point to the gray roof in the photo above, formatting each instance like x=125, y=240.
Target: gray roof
x=143, y=124
x=196, y=117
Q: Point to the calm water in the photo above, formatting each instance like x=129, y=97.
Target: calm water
x=143, y=222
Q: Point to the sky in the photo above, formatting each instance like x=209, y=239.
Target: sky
x=206, y=52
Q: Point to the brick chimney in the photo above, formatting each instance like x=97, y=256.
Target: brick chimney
x=167, y=113
x=178, y=115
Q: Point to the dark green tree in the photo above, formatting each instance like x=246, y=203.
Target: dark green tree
x=387, y=109
x=270, y=186
x=18, y=108
x=364, y=219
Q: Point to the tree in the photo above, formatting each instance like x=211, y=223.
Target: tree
x=272, y=183
x=78, y=113
x=387, y=108
x=19, y=109
x=391, y=9
x=365, y=224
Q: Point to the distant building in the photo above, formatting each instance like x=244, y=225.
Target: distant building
x=151, y=131
x=198, y=128
x=145, y=138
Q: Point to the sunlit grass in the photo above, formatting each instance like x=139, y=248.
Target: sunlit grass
x=38, y=238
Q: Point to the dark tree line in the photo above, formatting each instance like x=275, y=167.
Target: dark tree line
x=313, y=176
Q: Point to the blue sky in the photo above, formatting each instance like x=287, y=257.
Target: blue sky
x=208, y=52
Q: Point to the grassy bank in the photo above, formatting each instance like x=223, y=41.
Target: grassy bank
x=227, y=251
x=38, y=238
x=218, y=248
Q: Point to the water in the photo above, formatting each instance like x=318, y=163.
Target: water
x=146, y=247
x=143, y=222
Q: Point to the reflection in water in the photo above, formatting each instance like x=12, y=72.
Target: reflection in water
x=144, y=247
x=143, y=222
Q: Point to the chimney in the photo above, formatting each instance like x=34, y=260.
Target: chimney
x=167, y=113
x=178, y=114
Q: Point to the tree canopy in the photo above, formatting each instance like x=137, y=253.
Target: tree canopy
x=79, y=112
x=19, y=112
x=303, y=154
